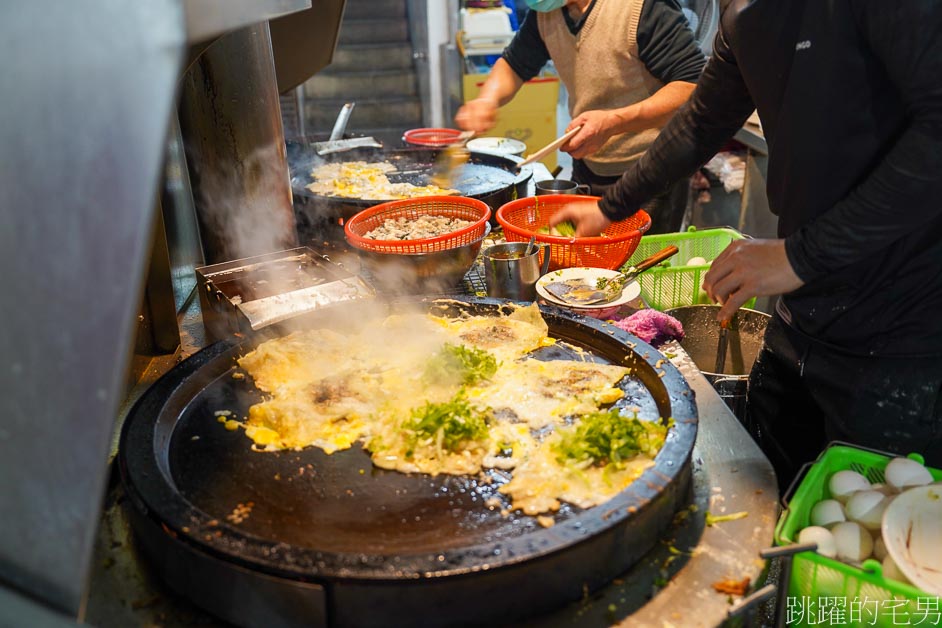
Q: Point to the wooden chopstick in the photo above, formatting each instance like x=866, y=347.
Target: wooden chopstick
x=546, y=150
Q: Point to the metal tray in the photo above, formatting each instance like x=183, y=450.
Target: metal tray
x=249, y=294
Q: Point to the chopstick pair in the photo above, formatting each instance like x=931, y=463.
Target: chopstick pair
x=546, y=150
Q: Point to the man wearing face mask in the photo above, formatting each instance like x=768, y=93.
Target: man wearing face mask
x=627, y=64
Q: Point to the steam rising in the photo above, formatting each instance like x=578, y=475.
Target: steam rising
x=246, y=211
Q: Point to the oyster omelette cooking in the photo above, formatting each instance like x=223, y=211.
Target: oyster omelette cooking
x=477, y=400
x=367, y=181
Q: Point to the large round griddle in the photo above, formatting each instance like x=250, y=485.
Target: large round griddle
x=331, y=540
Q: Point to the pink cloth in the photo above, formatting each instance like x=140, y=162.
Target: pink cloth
x=652, y=326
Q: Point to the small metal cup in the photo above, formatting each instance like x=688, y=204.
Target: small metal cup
x=511, y=274
x=561, y=186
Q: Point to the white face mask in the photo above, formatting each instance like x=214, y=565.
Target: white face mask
x=545, y=6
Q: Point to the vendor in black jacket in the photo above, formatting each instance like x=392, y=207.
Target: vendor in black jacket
x=850, y=97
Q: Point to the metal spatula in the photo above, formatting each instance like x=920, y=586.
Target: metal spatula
x=578, y=291
x=336, y=144
x=451, y=159
x=721, y=346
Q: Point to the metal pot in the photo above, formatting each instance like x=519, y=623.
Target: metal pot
x=746, y=333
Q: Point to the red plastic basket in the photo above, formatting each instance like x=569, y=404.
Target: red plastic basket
x=459, y=207
x=431, y=137
x=521, y=219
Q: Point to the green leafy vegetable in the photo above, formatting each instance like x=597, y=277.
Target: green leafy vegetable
x=612, y=284
x=712, y=519
x=451, y=423
x=566, y=229
x=603, y=438
x=461, y=365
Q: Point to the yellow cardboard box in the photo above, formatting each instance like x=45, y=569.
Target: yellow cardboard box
x=530, y=117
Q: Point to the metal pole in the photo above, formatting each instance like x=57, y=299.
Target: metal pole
x=235, y=148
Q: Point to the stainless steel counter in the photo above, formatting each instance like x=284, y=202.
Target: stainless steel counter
x=670, y=586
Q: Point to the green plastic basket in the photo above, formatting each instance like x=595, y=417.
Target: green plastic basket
x=822, y=588
x=675, y=283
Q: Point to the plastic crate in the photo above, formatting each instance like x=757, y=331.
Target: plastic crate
x=675, y=283
x=819, y=584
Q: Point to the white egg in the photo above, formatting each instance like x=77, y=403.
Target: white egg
x=903, y=473
x=886, y=489
x=866, y=508
x=821, y=536
x=845, y=483
x=827, y=512
x=696, y=261
x=879, y=548
x=892, y=572
x=853, y=542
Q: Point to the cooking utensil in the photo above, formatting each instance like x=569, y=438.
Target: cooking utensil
x=248, y=294
x=451, y=158
x=721, y=347
x=577, y=291
x=335, y=143
x=341, y=124
x=561, y=186
x=530, y=246
x=334, y=532
x=549, y=148
x=511, y=270
x=745, y=335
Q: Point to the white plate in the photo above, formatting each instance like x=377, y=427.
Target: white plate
x=630, y=293
x=502, y=145
x=912, y=531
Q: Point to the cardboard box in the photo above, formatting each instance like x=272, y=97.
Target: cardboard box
x=530, y=117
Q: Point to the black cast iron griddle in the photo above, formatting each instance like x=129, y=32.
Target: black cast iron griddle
x=484, y=175
x=364, y=546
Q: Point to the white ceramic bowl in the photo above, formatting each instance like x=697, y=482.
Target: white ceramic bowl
x=912, y=532
x=605, y=310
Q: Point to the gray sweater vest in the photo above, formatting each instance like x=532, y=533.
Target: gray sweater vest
x=601, y=70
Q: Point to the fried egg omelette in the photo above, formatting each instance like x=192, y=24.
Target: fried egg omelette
x=453, y=395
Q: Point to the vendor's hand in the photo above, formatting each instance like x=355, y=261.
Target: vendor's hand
x=478, y=115
x=746, y=269
x=585, y=216
x=596, y=129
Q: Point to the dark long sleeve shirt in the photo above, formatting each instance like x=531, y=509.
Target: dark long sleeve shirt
x=850, y=97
